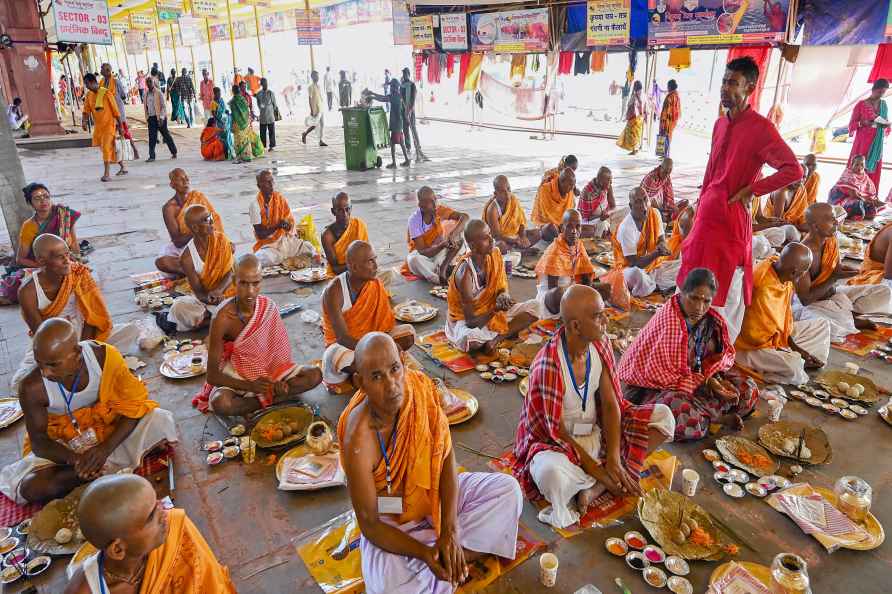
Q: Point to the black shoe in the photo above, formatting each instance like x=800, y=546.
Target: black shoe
x=322, y=143
x=150, y=159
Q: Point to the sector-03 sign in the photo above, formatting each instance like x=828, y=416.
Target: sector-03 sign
x=608, y=22
x=309, y=26
x=715, y=22
x=454, y=31
x=82, y=21
x=423, y=32
x=510, y=31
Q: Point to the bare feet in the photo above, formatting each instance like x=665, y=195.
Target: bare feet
x=733, y=422
x=862, y=324
x=585, y=497
x=105, y=178
x=489, y=347
x=392, y=166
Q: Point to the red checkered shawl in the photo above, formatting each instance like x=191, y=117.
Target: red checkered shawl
x=540, y=417
x=658, y=358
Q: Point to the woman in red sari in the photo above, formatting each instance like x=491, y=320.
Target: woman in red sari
x=865, y=129
x=856, y=192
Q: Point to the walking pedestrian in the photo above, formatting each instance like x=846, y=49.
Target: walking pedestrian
x=206, y=91
x=156, y=118
x=269, y=114
x=316, y=119
x=117, y=86
x=185, y=89
x=328, y=83
x=345, y=91
x=397, y=121
x=409, y=93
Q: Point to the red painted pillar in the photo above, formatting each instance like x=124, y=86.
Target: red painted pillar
x=24, y=71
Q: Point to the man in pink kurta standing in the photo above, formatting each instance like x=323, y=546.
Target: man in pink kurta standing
x=721, y=238
x=869, y=134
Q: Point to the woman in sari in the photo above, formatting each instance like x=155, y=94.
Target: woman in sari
x=856, y=192
x=630, y=138
x=223, y=121
x=247, y=144
x=47, y=218
x=683, y=357
x=176, y=106
x=212, y=148
x=670, y=114
x=863, y=126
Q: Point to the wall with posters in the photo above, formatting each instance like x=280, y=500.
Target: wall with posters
x=716, y=22
x=864, y=22
x=510, y=31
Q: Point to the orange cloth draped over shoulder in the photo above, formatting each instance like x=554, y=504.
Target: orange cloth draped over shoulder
x=184, y=564
x=105, y=114
x=768, y=320
x=371, y=312
x=356, y=231
x=212, y=148
x=829, y=261
x=271, y=215
x=872, y=272
x=496, y=282
x=121, y=394
x=196, y=197
x=511, y=219
x=651, y=232
x=418, y=452
x=674, y=244
x=795, y=212
x=437, y=229
x=811, y=186
x=550, y=205
x=88, y=297
x=562, y=260
x=218, y=262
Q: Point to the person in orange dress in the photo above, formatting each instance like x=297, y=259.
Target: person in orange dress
x=101, y=106
x=435, y=238
x=670, y=114
x=274, y=227
x=812, y=178
x=554, y=197
x=506, y=219
x=789, y=204
x=212, y=148
x=876, y=269
x=338, y=236
x=639, y=247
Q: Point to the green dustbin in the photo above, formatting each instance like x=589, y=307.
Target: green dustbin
x=365, y=131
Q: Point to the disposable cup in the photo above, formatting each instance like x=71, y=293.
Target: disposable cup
x=689, y=481
x=548, y=566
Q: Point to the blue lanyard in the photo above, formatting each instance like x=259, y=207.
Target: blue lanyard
x=69, y=397
x=102, y=589
x=384, y=451
x=699, y=343
x=588, y=368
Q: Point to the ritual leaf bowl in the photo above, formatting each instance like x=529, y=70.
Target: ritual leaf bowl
x=282, y=426
x=776, y=438
x=57, y=514
x=664, y=512
x=746, y=454
x=830, y=379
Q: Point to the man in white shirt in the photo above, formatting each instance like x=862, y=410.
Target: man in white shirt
x=328, y=83
x=316, y=121
x=641, y=242
x=18, y=121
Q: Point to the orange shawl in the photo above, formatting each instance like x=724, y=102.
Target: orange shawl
x=436, y=230
x=184, y=564
x=120, y=394
x=674, y=244
x=512, y=219
x=768, y=320
x=795, y=212
x=196, y=197
x=419, y=449
x=89, y=300
x=561, y=260
x=270, y=216
x=811, y=187
x=550, y=205
x=212, y=148
x=355, y=231
x=218, y=262
x=496, y=282
x=872, y=271
x=829, y=261
x=371, y=312
x=647, y=241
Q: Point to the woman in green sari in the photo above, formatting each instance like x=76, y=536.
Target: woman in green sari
x=246, y=143
x=223, y=121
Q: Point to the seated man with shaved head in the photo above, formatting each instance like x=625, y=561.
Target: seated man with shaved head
x=207, y=263
x=788, y=204
x=554, y=197
x=577, y=435
x=354, y=304
x=481, y=311
x=567, y=162
x=506, y=219
x=657, y=185
x=338, y=236
x=817, y=293
x=174, y=214
x=770, y=342
x=142, y=547
x=640, y=250
x=274, y=228
x=421, y=521
x=596, y=204
x=435, y=238
x=249, y=355
x=85, y=414
x=876, y=269
x=563, y=263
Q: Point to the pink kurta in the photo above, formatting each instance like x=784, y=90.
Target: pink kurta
x=864, y=136
x=721, y=238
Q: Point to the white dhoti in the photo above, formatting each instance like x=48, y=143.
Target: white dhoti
x=229, y=370
x=429, y=268
x=189, y=313
x=665, y=274
x=337, y=357
x=786, y=366
x=489, y=507
x=465, y=338
x=169, y=250
x=780, y=236
x=542, y=291
x=155, y=428
x=734, y=307
x=598, y=227
x=840, y=307
x=761, y=247
x=640, y=283
x=287, y=246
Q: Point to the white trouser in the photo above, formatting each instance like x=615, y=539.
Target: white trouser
x=337, y=357
x=734, y=308
x=640, y=283
x=838, y=309
x=287, y=246
x=464, y=338
x=786, y=366
x=189, y=313
x=429, y=268
x=780, y=236
x=665, y=274
x=761, y=247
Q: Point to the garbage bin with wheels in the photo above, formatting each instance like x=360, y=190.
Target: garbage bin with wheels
x=365, y=131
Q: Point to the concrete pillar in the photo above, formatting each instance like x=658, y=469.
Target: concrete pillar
x=12, y=180
x=24, y=69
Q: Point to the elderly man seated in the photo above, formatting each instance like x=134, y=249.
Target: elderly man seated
x=817, y=293
x=788, y=204
x=555, y=196
x=481, y=311
x=142, y=547
x=596, y=204
x=274, y=230
x=86, y=415
x=812, y=180
x=354, y=304
x=338, y=236
x=563, y=263
x=683, y=358
x=421, y=521
x=207, y=262
x=174, y=214
x=577, y=435
x=506, y=219
x=249, y=354
x=770, y=342
x=639, y=248
x=567, y=162
x=434, y=238
x=876, y=269
x=658, y=186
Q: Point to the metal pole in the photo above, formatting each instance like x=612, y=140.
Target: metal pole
x=194, y=65
x=173, y=41
x=207, y=27
x=158, y=40
x=259, y=46
x=231, y=35
x=312, y=56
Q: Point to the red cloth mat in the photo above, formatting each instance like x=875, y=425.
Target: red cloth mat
x=12, y=514
x=862, y=343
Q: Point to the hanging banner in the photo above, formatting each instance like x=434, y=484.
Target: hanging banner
x=82, y=21
x=423, y=32
x=607, y=22
x=190, y=31
x=510, y=31
x=136, y=42
x=142, y=20
x=309, y=27
x=402, y=31
x=277, y=21
x=454, y=31
x=204, y=8
x=258, y=3
x=119, y=26
x=696, y=22
x=843, y=22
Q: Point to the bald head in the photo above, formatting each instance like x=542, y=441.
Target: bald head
x=46, y=243
x=427, y=201
x=55, y=334
x=339, y=199
x=179, y=181
x=571, y=225
x=56, y=349
x=582, y=312
x=247, y=263
x=372, y=347
x=195, y=215
x=265, y=182
x=566, y=180
x=817, y=212
x=359, y=250
x=361, y=260
x=794, y=261
x=638, y=203
x=474, y=228
x=666, y=167
x=115, y=507
x=576, y=300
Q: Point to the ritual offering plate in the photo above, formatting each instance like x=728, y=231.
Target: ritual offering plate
x=10, y=411
x=680, y=585
x=756, y=490
x=10, y=574
x=523, y=272
x=848, y=414
x=440, y=291
x=677, y=565
x=634, y=539
x=24, y=527
x=37, y=565
x=746, y=454
x=413, y=311
x=733, y=490
x=845, y=385
x=300, y=469
x=831, y=408
x=605, y=258
x=721, y=466
x=282, y=426
x=885, y=413
x=654, y=576
x=8, y=544
x=616, y=546
x=782, y=439
x=738, y=476
x=711, y=455
x=858, y=409
x=742, y=577
x=191, y=363
x=458, y=405
x=681, y=527
x=309, y=275
x=812, y=401
x=772, y=482
x=524, y=387
x=55, y=529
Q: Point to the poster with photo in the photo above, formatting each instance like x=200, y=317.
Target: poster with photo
x=510, y=31
x=715, y=22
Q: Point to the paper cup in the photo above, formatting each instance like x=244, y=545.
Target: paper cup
x=548, y=566
x=852, y=368
x=689, y=481
x=774, y=410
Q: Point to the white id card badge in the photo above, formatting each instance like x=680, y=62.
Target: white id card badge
x=583, y=428
x=82, y=442
x=390, y=505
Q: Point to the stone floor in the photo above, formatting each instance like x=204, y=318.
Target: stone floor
x=251, y=525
